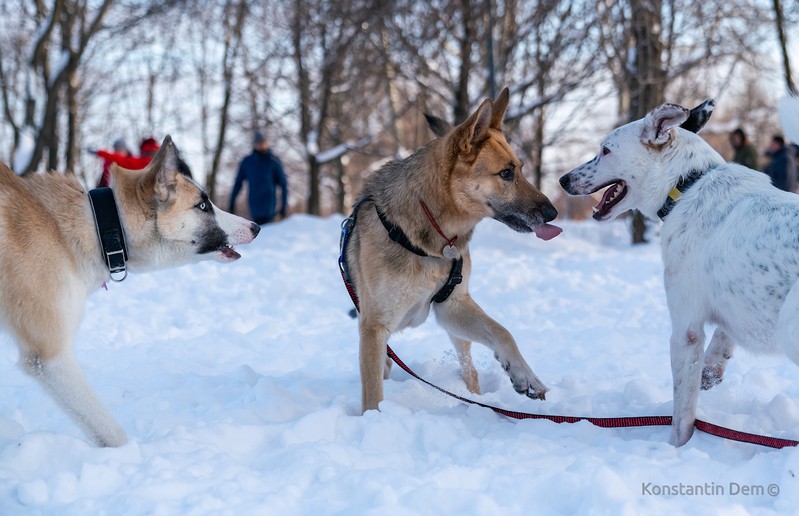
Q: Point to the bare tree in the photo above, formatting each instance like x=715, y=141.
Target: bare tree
x=646, y=50
x=52, y=67
x=234, y=14
x=779, y=19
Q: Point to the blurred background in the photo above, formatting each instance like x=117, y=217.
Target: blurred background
x=340, y=86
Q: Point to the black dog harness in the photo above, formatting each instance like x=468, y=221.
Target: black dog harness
x=109, y=231
x=396, y=234
x=682, y=186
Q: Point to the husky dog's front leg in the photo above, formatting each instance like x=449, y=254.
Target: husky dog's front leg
x=374, y=338
x=462, y=318
x=687, y=346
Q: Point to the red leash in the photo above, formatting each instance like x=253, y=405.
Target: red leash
x=612, y=422
x=604, y=422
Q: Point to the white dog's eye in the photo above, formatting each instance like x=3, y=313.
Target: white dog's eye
x=605, y=151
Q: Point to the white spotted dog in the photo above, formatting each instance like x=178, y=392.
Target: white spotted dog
x=730, y=244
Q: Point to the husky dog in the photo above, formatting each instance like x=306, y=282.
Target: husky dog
x=410, y=246
x=51, y=258
x=730, y=244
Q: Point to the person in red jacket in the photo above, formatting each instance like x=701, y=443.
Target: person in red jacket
x=148, y=148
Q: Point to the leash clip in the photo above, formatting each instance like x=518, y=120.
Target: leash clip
x=116, y=269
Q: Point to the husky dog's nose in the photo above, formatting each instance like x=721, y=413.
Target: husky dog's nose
x=255, y=228
x=548, y=212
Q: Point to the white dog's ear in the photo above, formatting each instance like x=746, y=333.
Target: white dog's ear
x=164, y=169
x=659, y=123
x=699, y=116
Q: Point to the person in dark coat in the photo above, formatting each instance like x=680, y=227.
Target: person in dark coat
x=782, y=168
x=263, y=172
x=745, y=152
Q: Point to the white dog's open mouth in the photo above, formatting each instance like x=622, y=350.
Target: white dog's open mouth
x=612, y=196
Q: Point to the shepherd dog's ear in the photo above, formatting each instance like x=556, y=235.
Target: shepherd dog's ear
x=474, y=130
x=659, y=122
x=437, y=125
x=498, y=112
x=699, y=116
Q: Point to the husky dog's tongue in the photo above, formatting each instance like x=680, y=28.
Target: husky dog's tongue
x=547, y=231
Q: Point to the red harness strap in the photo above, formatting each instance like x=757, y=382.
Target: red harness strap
x=612, y=422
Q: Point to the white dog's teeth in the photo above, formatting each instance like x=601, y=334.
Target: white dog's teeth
x=595, y=209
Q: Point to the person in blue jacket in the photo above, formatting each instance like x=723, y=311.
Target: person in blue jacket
x=782, y=168
x=263, y=172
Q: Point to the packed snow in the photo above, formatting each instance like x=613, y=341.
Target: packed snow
x=238, y=387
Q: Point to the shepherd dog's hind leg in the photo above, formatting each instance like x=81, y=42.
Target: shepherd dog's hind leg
x=464, y=350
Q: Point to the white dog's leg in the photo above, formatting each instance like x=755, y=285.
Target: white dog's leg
x=62, y=378
x=464, y=350
x=718, y=353
x=461, y=317
x=787, y=330
x=687, y=345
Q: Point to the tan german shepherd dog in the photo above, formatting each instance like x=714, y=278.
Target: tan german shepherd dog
x=466, y=175
x=51, y=259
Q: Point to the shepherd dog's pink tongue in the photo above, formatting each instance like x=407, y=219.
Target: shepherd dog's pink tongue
x=547, y=231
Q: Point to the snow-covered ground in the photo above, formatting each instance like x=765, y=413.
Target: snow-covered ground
x=238, y=387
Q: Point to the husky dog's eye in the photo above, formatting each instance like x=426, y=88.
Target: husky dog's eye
x=605, y=151
x=506, y=174
x=202, y=206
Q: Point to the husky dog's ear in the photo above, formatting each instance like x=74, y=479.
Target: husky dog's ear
x=475, y=129
x=164, y=169
x=498, y=111
x=699, y=116
x=437, y=125
x=659, y=122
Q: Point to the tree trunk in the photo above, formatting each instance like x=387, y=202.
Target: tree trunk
x=462, y=104
x=314, y=201
x=390, y=90
x=72, y=123
x=647, y=79
x=232, y=39
x=303, y=89
x=784, y=47
x=72, y=49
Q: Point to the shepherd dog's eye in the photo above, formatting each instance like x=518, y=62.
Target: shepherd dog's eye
x=507, y=174
x=605, y=151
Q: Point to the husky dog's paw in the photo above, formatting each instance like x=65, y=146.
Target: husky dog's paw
x=523, y=379
x=712, y=376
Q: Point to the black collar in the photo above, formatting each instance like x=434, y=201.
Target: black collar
x=455, y=277
x=396, y=234
x=680, y=188
x=109, y=231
